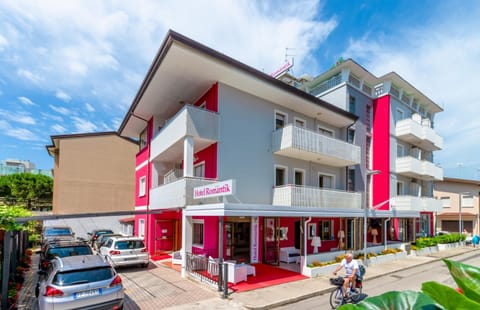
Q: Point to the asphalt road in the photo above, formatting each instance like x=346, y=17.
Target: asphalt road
x=409, y=279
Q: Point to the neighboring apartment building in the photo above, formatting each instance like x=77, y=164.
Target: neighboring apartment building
x=398, y=139
x=12, y=166
x=291, y=166
x=93, y=173
x=461, y=205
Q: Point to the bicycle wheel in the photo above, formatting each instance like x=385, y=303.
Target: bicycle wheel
x=336, y=298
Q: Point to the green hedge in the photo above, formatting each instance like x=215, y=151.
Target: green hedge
x=442, y=239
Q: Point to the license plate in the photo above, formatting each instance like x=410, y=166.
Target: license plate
x=88, y=293
x=130, y=258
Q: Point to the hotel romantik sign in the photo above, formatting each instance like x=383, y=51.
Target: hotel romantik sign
x=223, y=188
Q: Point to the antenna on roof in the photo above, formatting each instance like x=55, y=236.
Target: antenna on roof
x=287, y=54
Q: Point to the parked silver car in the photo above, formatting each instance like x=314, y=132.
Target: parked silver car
x=125, y=251
x=80, y=282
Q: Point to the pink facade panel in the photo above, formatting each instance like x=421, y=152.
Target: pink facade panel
x=381, y=152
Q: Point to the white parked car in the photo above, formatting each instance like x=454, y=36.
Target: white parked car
x=125, y=251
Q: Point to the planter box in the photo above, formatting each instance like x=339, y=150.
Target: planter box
x=401, y=255
x=313, y=272
x=385, y=258
x=372, y=260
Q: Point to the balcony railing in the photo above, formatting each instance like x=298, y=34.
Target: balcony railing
x=326, y=85
x=415, y=133
x=178, y=194
x=419, y=169
x=201, y=124
x=314, y=197
x=304, y=144
x=414, y=203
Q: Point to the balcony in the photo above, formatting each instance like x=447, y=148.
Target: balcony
x=414, y=203
x=202, y=125
x=326, y=85
x=296, y=142
x=421, y=135
x=314, y=197
x=419, y=169
x=179, y=193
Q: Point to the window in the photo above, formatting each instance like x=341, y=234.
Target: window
x=141, y=228
x=143, y=139
x=351, y=105
x=198, y=233
x=280, y=176
x=326, y=230
x=467, y=201
x=400, y=115
x=399, y=188
x=299, y=180
x=400, y=150
x=325, y=181
x=368, y=118
x=280, y=120
x=325, y=132
x=199, y=170
x=142, y=186
x=300, y=122
x=351, y=135
x=351, y=180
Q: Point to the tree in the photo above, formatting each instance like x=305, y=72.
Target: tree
x=26, y=187
x=8, y=215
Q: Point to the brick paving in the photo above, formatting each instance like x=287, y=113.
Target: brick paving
x=156, y=287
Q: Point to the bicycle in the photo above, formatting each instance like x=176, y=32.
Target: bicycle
x=336, y=297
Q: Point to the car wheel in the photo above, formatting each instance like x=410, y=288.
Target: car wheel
x=145, y=265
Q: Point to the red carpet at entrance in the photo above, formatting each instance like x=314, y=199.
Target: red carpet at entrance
x=160, y=256
x=266, y=275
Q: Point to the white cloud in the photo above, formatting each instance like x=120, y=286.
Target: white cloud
x=32, y=77
x=83, y=125
x=18, y=117
x=60, y=110
x=60, y=94
x=52, y=117
x=440, y=60
x=89, y=107
x=58, y=128
x=3, y=42
x=26, y=101
x=22, y=134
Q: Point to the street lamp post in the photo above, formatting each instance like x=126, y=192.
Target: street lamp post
x=365, y=214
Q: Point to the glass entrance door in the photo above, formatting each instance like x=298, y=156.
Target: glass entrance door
x=271, y=241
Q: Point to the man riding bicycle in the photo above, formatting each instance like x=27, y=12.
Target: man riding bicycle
x=351, y=270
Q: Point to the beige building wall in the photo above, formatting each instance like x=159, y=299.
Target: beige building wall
x=458, y=194
x=93, y=173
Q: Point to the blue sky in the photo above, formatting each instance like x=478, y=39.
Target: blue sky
x=75, y=66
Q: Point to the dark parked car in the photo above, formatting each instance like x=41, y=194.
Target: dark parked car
x=62, y=249
x=56, y=233
x=96, y=233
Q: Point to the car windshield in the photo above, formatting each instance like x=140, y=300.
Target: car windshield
x=69, y=251
x=129, y=244
x=103, y=232
x=80, y=276
x=58, y=232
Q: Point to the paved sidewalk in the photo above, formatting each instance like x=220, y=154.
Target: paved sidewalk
x=283, y=294
x=161, y=287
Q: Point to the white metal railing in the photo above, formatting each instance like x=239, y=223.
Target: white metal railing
x=179, y=193
x=422, y=168
x=422, y=131
x=314, y=143
x=172, y=176
x=416, y=203
x=326, y=85
x=314, y=197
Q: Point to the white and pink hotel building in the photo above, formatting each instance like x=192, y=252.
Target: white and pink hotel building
x=235, y=163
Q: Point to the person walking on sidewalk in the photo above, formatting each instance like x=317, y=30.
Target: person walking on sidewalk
x=351, y=272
